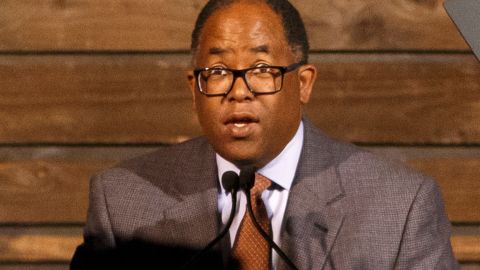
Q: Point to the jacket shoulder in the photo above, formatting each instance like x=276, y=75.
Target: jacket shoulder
x=178, y=161
x=360, y=170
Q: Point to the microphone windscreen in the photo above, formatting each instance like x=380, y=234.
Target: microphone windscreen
x=230, y=181
x=247, y=177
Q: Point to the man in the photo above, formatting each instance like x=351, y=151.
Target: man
x=329, y=205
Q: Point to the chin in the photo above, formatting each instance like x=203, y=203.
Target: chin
x=240, y=156
x=246, y=162
x=241, y=152
x=241, y=159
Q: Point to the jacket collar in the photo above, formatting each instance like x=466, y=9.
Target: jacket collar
x=313, y=217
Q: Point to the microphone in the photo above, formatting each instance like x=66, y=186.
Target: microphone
x=247, y=181
x=230, y=183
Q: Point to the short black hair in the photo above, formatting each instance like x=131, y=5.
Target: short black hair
x=293, y=26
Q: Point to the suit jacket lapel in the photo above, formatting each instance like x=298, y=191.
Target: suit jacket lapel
x=312, y=218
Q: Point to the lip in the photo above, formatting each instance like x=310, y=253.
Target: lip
x=240, y=117
x=240, y=124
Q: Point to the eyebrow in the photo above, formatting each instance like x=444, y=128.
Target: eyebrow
x=216, y=50
x=258, y=49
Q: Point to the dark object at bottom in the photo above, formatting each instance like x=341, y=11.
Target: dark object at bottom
x=139, y=255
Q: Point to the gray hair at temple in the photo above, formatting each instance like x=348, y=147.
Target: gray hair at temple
x=293, y=26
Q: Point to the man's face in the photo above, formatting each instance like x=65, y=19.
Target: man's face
x=244, y=128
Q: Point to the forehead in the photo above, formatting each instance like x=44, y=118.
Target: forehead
x=243, y=26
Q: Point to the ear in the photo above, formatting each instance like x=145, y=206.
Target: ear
x=192, y=85
x=306, y=78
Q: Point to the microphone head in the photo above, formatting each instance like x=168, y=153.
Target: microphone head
x=230, y=181
x=247, y=177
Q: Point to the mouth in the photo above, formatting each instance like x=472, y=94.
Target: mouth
x=241, y=125
x=240, y=120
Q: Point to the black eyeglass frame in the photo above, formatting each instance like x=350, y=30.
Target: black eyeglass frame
x=241, y=73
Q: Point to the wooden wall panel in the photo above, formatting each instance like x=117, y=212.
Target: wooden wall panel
x=379, y=25
x=406, y=99
x=376, y=98
x=41, y=244
x=45, y=266
x=163, y=25
x=106, y=98
x=45, y=191
x=458, y=180
x=466, y=248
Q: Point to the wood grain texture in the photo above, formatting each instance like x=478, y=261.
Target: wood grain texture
x=470, y=266
x=407, y=99
x=374, y=98
x=95, y=99
x=46, y=191
x=45, y=266
x=458, y=180
x=47, y=244
x=379, y=25
x=166, y=25
x=53, y=191
x=466, y=248
x=54, y=247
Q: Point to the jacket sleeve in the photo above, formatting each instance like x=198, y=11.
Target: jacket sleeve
x=99, y=240
x=426, y=236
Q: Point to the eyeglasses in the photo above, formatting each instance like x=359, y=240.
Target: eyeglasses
x=218, y=81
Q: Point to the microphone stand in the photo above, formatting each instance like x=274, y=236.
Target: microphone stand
x=247, y=180
x=230, y=183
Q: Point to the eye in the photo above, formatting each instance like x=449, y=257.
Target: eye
x=263, y=70
x=217, y=72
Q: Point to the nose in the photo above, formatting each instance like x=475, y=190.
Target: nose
x=239, y=91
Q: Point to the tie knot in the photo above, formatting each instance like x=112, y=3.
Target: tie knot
x=261, y=183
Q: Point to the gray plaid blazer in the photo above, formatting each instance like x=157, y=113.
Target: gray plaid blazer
x=347, y=208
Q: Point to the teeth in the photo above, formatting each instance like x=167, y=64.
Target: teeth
x=239, y=125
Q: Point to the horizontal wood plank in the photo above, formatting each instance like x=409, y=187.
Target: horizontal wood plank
x=44, y=266
x=53, y=191
x=466, y=248
x=406, y=99
x=375, y=98
x=95, y=99
x=166, y=25
x=55, y=247
x=470, y=266
x=47, y=244
x=46, y=191
x=458, y=180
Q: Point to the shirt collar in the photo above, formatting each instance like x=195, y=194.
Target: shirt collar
x=281, y=170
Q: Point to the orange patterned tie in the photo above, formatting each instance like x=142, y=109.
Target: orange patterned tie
x=251, y=251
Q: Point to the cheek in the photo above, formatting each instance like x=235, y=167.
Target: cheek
x=288, y=109
x=208, y=113
x=289, y=101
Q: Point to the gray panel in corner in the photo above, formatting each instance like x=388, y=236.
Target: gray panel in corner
x=466, y=16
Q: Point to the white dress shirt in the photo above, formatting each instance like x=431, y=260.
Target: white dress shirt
x=281, y=170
